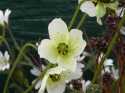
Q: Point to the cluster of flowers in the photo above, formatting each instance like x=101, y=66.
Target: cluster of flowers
x=4, y=58
x=63, y=49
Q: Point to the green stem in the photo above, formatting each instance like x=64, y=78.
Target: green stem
x=31, y=87
x=75, y=15
x=13, y=39
x=4, y=32
x=16, y=44
x=6, y=43
x=109, y=50
x=15, y=63
x=82, y=20
x=84, y=32
x=99, y=67
x=73, y=18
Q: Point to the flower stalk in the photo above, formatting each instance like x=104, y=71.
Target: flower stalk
x=75, y=15
x=16, y=62
x=112, y=43
x=2, y=39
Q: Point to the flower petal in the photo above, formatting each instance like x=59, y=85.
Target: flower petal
x=108, y=62
x=43, y=84
x=89, y=8
x=6, y=16
x=88, y=82
x=47, y=50
x=82, y=56
x=56, y=70
x=85, y=84
x=6, y=55
x=1, y=17
x=1, y=55
x=100, y=10
x=115, y=73
x=120, y=11
x=68, y=63
x=99, y=21
x=76, y=42
x=58, y=30
x=57, y=87
x=38, y=84
x=35, y=71
x=78, y=72
x=122, y=30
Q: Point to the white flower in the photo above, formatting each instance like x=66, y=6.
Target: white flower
x=82, y=56
x=63, y=47
x=4, y=16
x=108, y=63
x=36, y=72
x=56, y=78
x=109, y=67
x=122, y=30
x=4, y=61
x=99, y=9
x=85, y=85
x=115, y=73
x=120, y=11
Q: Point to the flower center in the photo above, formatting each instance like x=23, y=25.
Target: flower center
x=55, y=77
x=62, y=48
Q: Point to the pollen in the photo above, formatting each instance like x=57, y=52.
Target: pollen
x=55, y=77
x=62, y=48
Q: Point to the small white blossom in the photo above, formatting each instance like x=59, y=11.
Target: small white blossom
x=4, y=61
x=37, y=44
x=4, y=16
x=115, y=73
x=56, y=78
x=63, y=47
x=98, y=10
x=109, y=67
x=122, y=30
x=108, y=63
x=120, y=11
x=85, y=85
x=82, y=56
x=36, y=72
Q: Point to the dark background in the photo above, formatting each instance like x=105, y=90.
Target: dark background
x=29, y=19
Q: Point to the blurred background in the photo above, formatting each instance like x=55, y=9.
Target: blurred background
x=29, y=19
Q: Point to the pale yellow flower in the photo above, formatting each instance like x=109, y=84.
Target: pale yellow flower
x=63, y=47
x=56, y=78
